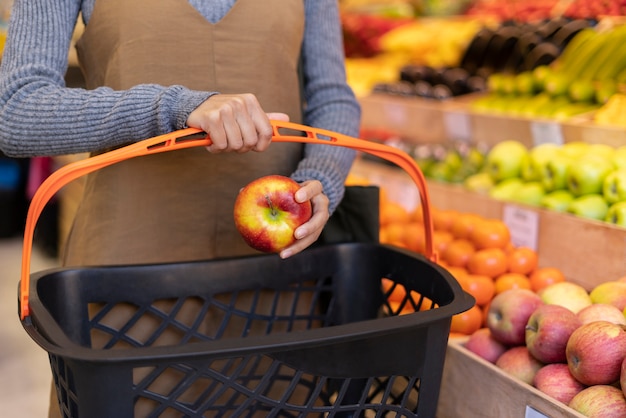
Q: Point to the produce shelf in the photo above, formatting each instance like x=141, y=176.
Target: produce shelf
x=473, y=387
x=588, y=252
x=420, y=120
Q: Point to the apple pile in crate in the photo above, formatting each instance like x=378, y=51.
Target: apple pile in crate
x=587, y=180
x=565, y=341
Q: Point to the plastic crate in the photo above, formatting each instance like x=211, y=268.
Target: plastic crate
x=312, y=335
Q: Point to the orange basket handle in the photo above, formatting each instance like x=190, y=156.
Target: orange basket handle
x=191, y=137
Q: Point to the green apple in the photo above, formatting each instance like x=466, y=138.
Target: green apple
x=504, y=160
x=605, y=90
x=525, y=83
x=530, y=193
x=555, y=172
x=582, y=91
x=506, y=189
x=619, y=157
x=557, y=200
x=538, y=156
x=440, y=171
x=479, y=183
x=602, y=150
x=617, y=214
x=556, y=85
x=614, y=186
x=587, y=175
x=540, y=73
x=575, y=149
x=590, y=206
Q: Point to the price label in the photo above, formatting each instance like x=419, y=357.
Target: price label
x=458, y=126
x=533, y=413
x=523, y=224
x=546, y=133
x=395, y=113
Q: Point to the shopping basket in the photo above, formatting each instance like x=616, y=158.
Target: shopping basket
x=313, y=335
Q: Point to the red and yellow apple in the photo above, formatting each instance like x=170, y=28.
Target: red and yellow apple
x=266, y=213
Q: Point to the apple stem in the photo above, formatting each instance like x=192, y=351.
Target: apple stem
x=271, y=205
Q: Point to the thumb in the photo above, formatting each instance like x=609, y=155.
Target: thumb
x=283, y=117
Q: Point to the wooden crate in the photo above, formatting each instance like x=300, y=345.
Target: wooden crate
x=472, y=387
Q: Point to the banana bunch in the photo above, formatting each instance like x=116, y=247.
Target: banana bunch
x=595, y=55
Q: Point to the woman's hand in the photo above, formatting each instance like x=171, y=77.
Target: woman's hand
x=307, y=233
x=234, y=122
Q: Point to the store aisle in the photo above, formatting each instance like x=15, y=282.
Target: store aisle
x=24, y=370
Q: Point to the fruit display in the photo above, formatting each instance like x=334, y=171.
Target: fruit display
x=432, y=42
x=520, y=11
x=586, y=180
x=567, y=342
x=582, y=79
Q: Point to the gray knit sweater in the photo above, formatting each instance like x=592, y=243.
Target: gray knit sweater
x=39, y=116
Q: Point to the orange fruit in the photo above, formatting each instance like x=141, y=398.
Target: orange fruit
x=459, y=273
x=397, y=294
x=458, y=252
x=481, y=287
x=394, y=232
x=485, y=309
x=490, y=262
x=490, y=233
x=523, y=260
x=443, y=218
x=414, y=236
x=393, y=212
x=417, y=215
x=396, y=310
x=544, y=276
x=467, y=322
x=508, y=281
x=463, y=224
x=441, y=240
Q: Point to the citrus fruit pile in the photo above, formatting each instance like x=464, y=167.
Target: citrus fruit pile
x=476, y=250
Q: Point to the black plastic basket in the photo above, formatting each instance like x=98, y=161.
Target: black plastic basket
x=312, y=335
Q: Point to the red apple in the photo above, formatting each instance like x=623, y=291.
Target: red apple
x=519, y=363
x=483, y=344
x=595, y=352
x=556, y=381
x=547, y=331
x=601, y=312
x=508, y=315
x=622, y=376
x=267, y=214
x=600, y=401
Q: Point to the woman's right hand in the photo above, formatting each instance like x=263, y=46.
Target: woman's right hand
x=234, y=122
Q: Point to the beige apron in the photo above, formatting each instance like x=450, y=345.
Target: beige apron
x=177, y=206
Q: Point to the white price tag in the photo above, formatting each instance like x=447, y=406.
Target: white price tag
x=546, y=133
x=523, y=224
x=533, y=413
x=458, y=126
x=395, y=113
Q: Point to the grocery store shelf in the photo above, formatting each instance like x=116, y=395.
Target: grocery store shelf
x=426, y=121
x=588, y=252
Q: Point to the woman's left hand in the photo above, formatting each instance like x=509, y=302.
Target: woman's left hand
x=307, y=233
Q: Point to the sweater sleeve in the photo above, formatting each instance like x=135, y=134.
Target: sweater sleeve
x=40, y=116
x=330, y=103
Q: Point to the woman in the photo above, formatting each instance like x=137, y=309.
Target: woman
x=154, y=67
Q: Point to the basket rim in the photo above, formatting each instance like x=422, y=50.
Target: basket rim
x=41, y=320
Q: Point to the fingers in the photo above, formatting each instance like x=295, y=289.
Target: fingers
x=307, y=233
x=234, y=122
